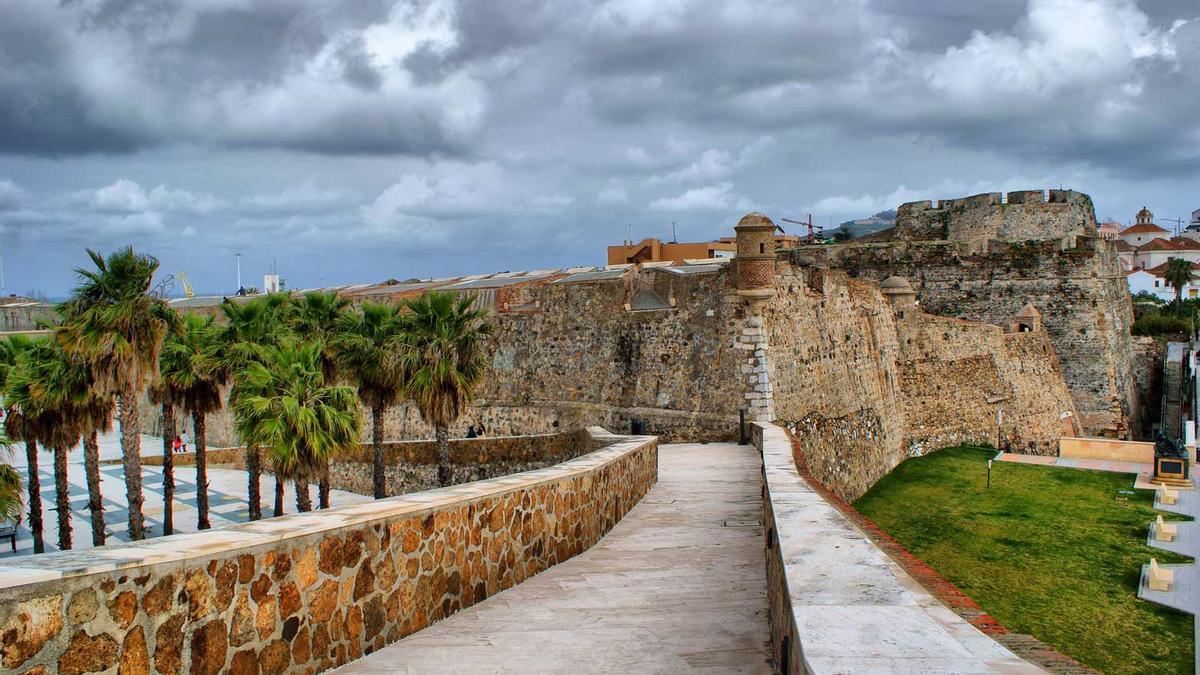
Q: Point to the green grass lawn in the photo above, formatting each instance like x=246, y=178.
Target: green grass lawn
x=1047, y=551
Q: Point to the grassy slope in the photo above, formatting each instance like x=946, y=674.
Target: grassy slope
x=1049, y=552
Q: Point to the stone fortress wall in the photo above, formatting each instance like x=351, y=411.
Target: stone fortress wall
x=308, y=592
x=982, y=258
x=864, y=380
x=974, y=221
x=682, y=352
x=864, y=384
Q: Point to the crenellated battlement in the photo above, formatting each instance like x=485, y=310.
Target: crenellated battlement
x=989, y=199
x=1020, y=215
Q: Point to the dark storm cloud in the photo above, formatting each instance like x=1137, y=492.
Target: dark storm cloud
x=117, y=76
x=42, y=109
x=290, y=127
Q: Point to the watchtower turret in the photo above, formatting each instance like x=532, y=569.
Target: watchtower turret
x=755, y=256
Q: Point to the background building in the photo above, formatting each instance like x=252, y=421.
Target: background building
x=1144, y=230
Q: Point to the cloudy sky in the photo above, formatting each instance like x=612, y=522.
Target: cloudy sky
x=357, y=140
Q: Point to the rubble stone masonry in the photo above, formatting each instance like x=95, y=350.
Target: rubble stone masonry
x=1048, y=255
x=825, y=354
x=305, y=593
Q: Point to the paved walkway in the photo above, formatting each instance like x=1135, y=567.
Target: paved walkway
x=1185, y=592
x=677, y=586
x=1142, y=471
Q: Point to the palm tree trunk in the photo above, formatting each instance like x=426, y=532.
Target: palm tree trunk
x=380, y=483
x=443, y=446
x=253, y=486
x=303, y=500
x=201, y=471
x=91, y=465
x=168, y=413
x=131, y=459
x=35, y=497
x=62, y=498
x=278, y=496
x=323, y=488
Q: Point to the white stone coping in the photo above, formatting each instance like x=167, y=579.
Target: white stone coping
x=854, y=609
x=181, y=547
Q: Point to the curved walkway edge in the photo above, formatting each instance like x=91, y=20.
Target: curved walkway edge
x=676, y=586
x=839, y=604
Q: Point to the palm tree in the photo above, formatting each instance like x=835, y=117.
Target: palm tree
x=317, y=317
x=192, y=380
x=114, y=324
x=41, y=389
x=65, y=390
x=283, y=404
x=249, y=329
x=11, y=501
x=1178, y=274
x=445, y=359
x=368, y=348
x=22, y=427
x=159, y=394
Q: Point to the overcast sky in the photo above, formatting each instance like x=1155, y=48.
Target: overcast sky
x=359, y=140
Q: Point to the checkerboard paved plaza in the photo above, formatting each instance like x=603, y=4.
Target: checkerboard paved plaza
x=226, y=497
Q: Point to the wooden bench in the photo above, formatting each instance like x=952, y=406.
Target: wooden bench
x=1164, y=531
x=8, y=530
x=1167, y=495
x=1159, y=579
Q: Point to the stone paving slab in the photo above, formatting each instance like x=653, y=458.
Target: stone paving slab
x=1186, y=534
x=677, y=586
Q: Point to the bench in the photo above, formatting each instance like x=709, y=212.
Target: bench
x=1159, y=579
x=8, y=531
x=1167, y=495
x=1164, y=531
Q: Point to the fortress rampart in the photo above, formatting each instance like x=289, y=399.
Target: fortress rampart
x=1040, y=250
x=680, y=351
x=973, y=221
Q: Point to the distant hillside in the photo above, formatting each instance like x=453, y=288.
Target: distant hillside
x=865, y=226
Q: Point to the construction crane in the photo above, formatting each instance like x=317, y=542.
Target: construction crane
x=813, y=230
x=186, y=285
x=164, y=287
x=1178, y=224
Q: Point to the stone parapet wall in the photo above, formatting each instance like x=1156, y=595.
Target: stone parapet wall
x=308, y=592
x=838, y=604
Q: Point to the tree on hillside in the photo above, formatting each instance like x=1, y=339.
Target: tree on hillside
x=369, y=348
x=1178, y=274
x=191, y=379
x=249, y=329
x=283, y=404
x=23, y=427
x=445, y=358
x=317, y=317
x=114, y=324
